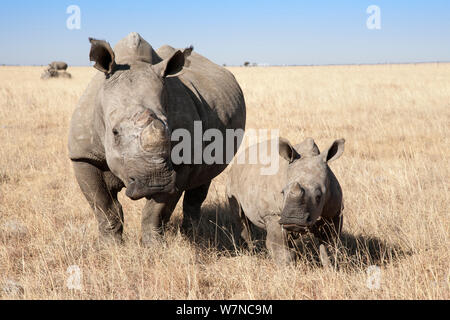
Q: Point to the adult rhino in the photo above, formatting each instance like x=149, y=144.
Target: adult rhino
x=58, y=65
x=120, y=132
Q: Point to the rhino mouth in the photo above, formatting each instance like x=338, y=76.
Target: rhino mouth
x=138, y=191
x=150, y=186
x=295, y=223
x=292, y=227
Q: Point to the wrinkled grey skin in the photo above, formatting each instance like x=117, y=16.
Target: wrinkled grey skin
x=120, y=131
x=58, y=65
x=303, y=195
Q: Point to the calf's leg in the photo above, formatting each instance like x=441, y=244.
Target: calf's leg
x=244, y=224
x=277, y=245
x=328, y=230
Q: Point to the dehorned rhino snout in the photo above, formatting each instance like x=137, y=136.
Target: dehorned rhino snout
x=160, y=180
x=291, y=217
x=295, y=213
x=155, y=137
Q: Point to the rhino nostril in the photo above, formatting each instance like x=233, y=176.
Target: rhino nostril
x=131, y=180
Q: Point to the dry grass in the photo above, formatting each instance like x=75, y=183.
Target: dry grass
x=394, y=174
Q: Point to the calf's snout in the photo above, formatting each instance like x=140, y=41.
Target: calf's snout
x=300, y=219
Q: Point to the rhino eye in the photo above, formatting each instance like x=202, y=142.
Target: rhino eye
x=318, y=196
x=116, y=136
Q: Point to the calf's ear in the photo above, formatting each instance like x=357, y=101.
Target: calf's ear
x=103, y=56
x=287, y=151
x=334, y=151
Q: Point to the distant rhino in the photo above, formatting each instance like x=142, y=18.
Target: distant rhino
x=58, y=65
x=120, y=132
x=51, y=73
x=303, y=195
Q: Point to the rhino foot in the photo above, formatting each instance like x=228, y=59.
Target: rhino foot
x=190, y=227
x=110, y=239
x=151, y=240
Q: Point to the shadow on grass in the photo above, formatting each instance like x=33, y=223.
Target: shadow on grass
x=219, y=229
x=351, y=251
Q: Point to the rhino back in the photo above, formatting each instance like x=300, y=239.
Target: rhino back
x=217, y=95
x=259, y=195
x=58, y=65
x=208, y=93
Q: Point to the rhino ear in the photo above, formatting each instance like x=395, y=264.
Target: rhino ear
x=287, y=151
x=103, y=56
x=334, y=151
x=173, y=65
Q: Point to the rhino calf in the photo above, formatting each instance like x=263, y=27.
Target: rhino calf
x=304, y=195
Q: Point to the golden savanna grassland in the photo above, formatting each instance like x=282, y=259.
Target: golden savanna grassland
x=394, y=174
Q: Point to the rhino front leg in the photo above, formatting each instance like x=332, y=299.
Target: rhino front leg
x=156, y=214
x=328, y=230
x=192, y=203
x=276, y=243
x=243, y=228
x=100, y=189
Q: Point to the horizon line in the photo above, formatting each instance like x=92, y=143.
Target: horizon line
x=264, y=65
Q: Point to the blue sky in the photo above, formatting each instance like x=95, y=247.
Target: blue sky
x=231, y=32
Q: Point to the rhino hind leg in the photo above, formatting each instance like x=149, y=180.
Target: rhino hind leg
x=100, y=189
x=155, y=215
x=192, y=203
